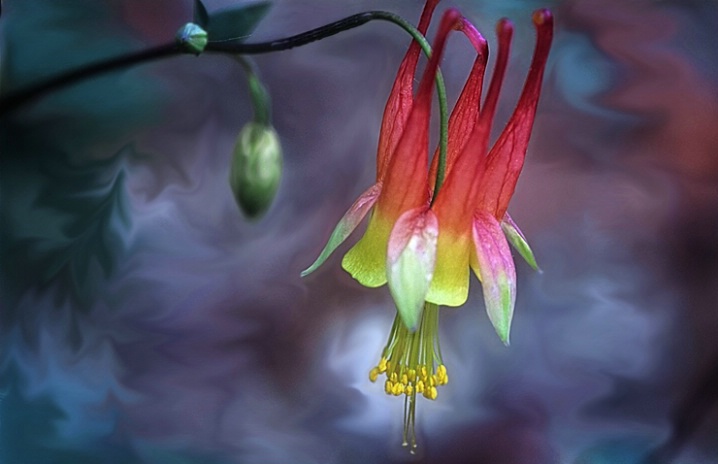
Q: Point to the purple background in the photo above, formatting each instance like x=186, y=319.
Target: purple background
x=144, y=320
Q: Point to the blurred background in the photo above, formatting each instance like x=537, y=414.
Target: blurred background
x=145, y=320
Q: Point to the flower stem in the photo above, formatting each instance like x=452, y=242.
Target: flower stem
x=14, y=100
x=261, y=102
x=17, y=99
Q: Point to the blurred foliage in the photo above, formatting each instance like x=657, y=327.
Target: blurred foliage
x=64, y=214
x=32, y=432
x=232, y=23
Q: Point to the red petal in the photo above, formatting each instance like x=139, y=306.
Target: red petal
x=466, y=111
x=506, y=158
x=505, y=32
x=401, y=98
x=463, y=183
x=406, y=177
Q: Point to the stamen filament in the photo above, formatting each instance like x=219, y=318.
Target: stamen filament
x=413, y=365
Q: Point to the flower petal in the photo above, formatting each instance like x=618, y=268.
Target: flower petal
x=346, y=225
x=466, y=111
x=366, y=261
x=518, y=241
x=401, y=97
x=406, y=180
x=456, y=200
x=405, y=185
x=496, y=272
x=410, y=261
x=506, y=158
x=450, y=285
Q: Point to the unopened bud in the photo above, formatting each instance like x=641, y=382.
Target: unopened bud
x=256, y=168
x=191, y=38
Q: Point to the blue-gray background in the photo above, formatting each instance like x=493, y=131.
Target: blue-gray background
x=144, y=320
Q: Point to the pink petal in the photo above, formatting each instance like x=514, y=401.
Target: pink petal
x=496, y=272
x=410, y=262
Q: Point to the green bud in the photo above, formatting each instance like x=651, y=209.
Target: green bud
x=191, y=38
x=256, y=168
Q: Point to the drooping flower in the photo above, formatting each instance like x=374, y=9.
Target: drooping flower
x=402, y=159
x=471, y=205
x=424, y=235
x=469, y=211
x=411, y=359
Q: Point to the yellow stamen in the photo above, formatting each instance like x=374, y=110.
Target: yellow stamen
x=413, y=366
x=382, y=365
x=420, y=386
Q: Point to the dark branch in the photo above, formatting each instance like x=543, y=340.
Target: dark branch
x=15, y=100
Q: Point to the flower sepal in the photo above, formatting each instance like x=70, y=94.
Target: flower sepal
x=518, y=241
x=410, y=262
x=496, y=271
x=346, y=225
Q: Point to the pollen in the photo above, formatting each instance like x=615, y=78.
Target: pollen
x=413, y=366
x=381, y=368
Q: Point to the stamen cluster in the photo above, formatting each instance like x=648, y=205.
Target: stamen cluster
x=412, y=364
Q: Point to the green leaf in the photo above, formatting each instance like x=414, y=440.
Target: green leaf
x=200, y=14
x=236, y=23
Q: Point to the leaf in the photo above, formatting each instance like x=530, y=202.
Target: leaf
x=201, y=17
x=236, y=23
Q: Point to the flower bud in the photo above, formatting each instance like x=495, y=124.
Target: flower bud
x=256, y=168
x=192, y=38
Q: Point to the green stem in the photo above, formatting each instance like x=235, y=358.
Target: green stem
x=261, y=102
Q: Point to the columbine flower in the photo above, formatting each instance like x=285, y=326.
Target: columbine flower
x=471, y=205
x=469, y=211
x=423, y=246
x=402, y=178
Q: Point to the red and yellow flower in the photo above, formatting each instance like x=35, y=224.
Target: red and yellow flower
x=402, y=179
x=428, y=229
x=471, y=205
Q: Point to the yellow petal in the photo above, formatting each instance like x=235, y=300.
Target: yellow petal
x=366, y=261
x=450, y=285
